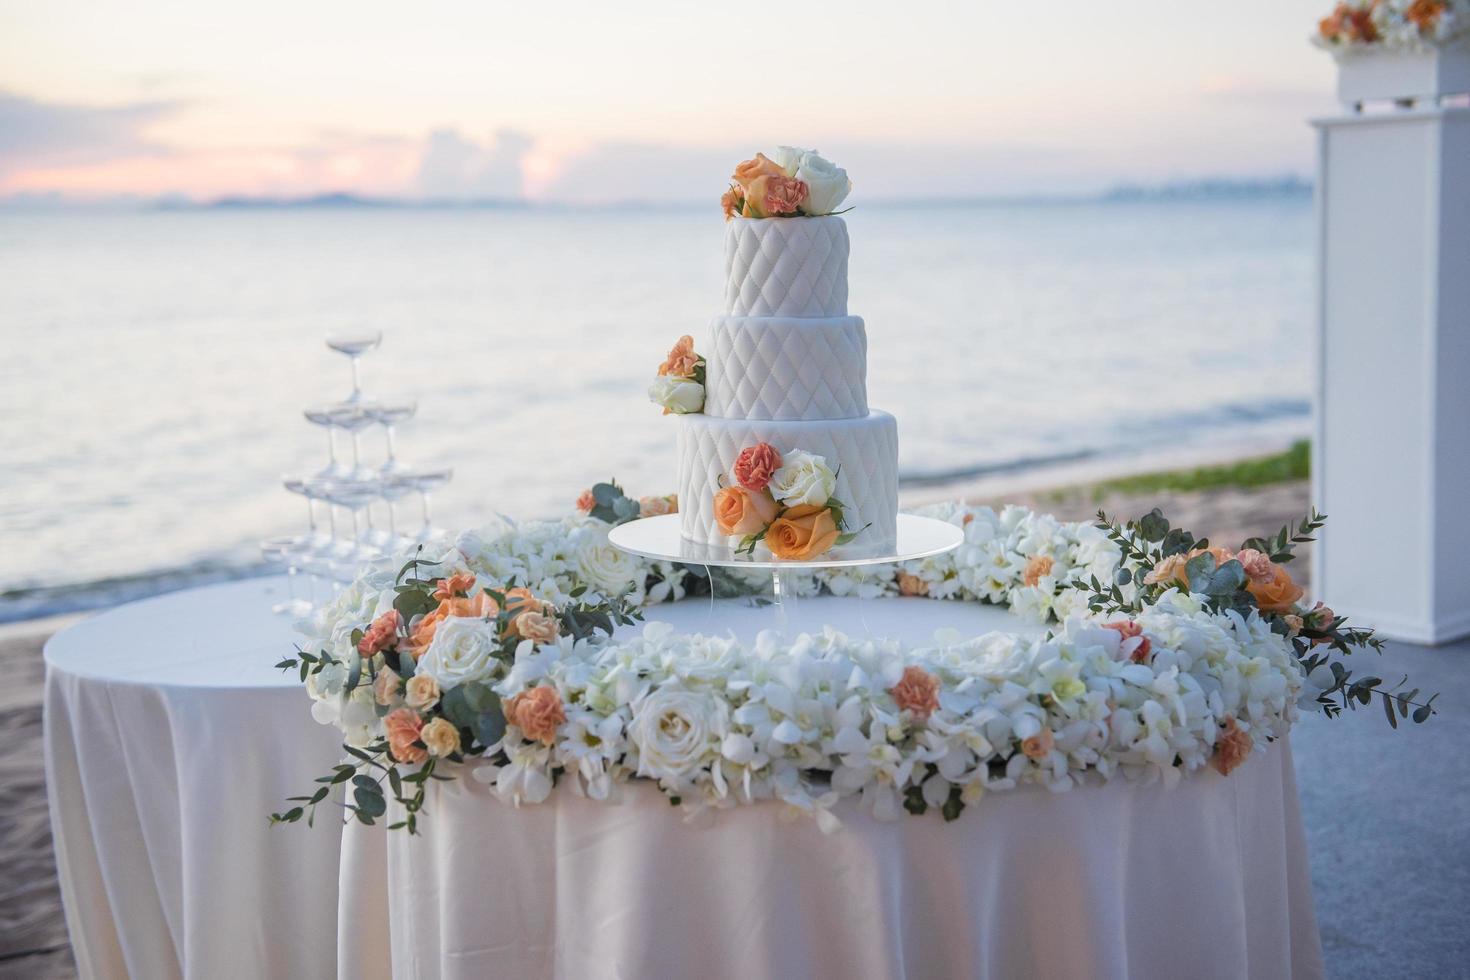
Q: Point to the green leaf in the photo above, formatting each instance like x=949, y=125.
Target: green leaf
x=1393, y=721
x=1152, y=526
x=456, y=707
x=371, y=804
x=489, y=727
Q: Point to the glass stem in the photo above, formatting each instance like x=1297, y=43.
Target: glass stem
x=392, y=455
x=356, y=383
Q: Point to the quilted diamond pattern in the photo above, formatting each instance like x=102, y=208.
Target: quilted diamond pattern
x=866, y=449
x=786, y=266
x=787, y=368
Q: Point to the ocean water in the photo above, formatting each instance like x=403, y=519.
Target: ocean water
x=156, y=364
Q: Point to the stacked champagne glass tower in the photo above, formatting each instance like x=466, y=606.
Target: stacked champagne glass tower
x=352, y=502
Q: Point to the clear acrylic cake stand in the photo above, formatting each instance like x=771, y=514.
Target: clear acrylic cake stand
x=659, y=538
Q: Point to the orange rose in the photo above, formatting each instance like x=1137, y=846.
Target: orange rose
x=380, y=636
x=738, y=511
x=1037, y=566
x=733, y=201
x=757, y=166
x=656, y=506
x=1232, y=747
x=402, y=728
x=917, y=692
x=480, y=606
x=1039, y=746
x=455, y=585
x=909, y=584
x=681, y=360
x=537, y=713
x=586, y=501
x=804, y=531
x=1278, y=595
x=522, y=605
x=1424, y=14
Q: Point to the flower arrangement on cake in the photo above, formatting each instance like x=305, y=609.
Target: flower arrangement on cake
x=498, y=656
x=796, y=182
x=1410, y=25
x=679, y=386
x=782, y=504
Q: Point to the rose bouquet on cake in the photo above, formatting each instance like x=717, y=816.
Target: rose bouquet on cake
x=784, y=503
x=679, y=387
x=796, y=182
x=1402, y=24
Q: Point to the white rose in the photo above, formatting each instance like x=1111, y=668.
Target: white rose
x=463, y=650
x=788, y=158
x=677, y=732
x=804, y=478
x=679, y=395
x=827, y=185
x=610, y=570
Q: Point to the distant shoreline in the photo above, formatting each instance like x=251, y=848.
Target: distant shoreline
x=1181, y=192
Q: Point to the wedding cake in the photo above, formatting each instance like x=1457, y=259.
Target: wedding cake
x=783, y=450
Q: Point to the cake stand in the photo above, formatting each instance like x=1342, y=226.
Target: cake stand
x=659, y=538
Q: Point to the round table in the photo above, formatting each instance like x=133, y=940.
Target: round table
x=1208, y=878
x=170, y=737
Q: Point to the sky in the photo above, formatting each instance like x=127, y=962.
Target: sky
x=599, y=102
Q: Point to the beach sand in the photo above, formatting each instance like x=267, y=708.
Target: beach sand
x=33, y=940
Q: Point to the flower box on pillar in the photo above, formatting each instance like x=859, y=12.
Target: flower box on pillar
x=1392, y=446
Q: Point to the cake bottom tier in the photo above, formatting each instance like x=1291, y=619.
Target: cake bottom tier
x=863, y=450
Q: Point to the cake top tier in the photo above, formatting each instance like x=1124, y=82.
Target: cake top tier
x=786, y=266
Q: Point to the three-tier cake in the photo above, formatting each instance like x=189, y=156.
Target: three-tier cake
x=787, y=367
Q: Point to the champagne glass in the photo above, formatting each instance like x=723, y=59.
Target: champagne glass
x=390, y=414
x=356, y=497
x=425, y=481
x=287, y=550
x=322, y=415
x=352, y=417
x=354, y=343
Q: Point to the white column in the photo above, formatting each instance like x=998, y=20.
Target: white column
x=1391, y=456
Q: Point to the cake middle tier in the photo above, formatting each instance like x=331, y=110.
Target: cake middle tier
x=787, y=368
x=863, y=451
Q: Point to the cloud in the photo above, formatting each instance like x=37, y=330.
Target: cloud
x=35, y=133
x=454, y=167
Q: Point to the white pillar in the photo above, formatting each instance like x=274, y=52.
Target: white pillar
x=1391, y=456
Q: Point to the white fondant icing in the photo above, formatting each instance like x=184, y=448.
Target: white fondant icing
x=786, y=267
x=787, y=368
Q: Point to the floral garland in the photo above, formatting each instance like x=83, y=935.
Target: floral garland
x=1406, y=25
x=1170, y=655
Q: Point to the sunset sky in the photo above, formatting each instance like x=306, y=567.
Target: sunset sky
x=599, y=101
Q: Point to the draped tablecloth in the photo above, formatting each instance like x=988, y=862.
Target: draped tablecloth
x=1205, y=879
x=170, y=737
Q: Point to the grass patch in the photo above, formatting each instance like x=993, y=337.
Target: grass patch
x=1283, y=467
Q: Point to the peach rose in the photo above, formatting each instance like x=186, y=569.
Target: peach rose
x=755, y=466
x=585, y=501
x=1232, y=747
x=537, y=713
x=402, y=727
x=655, y=506
x=911, y=585
x=681, y=360
x=757, y=166
x=802, y=532
x=441, y=737
x=732, y=201
x=1257, y=564
x=480, y=606
x=1424, y=14
x=1037, y=566
x=380, y=636
x=1170, y=571
x=769, y=196
x=917, y=692
x=454, y=586
x=740, y=511
x=421, y=692
x=1294, y=624
x=386, y=685
x=1128, y=629
x=1278, y=595
x=1038, y=746
x=538, y=627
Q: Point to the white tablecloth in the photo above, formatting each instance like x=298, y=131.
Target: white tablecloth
x=1207, y=879
x=170, y=737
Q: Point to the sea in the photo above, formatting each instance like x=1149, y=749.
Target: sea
x=156, y=362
